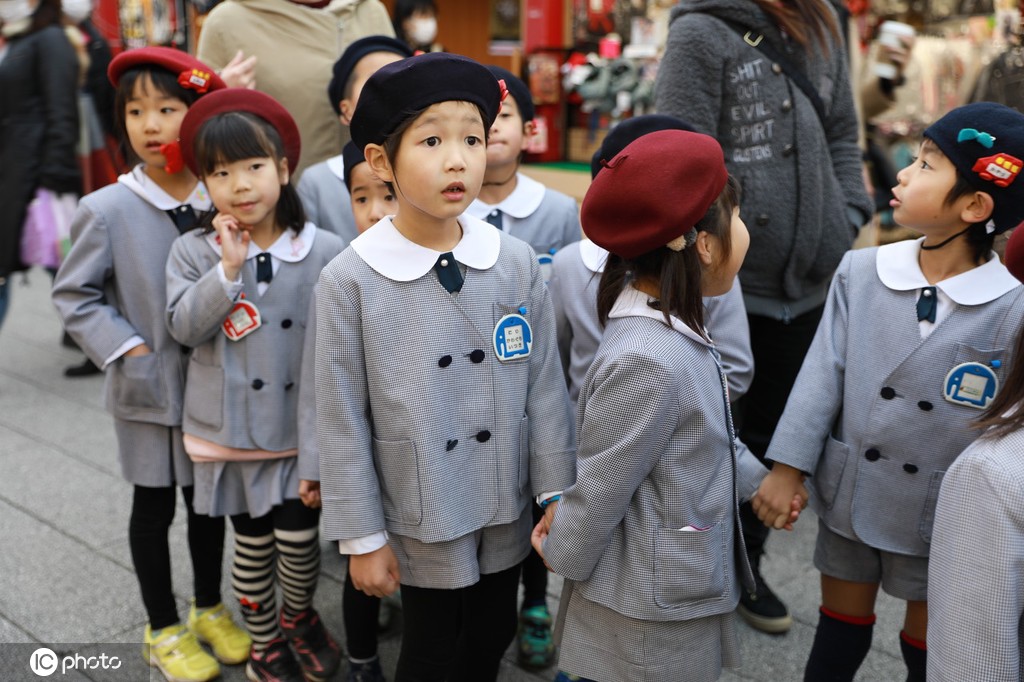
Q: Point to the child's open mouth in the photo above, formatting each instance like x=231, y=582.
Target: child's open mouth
x=454, y=191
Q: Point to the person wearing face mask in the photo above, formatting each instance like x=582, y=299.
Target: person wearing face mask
x=415, y=22
x=39, y=81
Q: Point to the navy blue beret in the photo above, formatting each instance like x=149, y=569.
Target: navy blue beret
x=398, y=90
x=985, y=141
x=517, y=90
x=346, y=64
x=629, y=130
x=351, y=156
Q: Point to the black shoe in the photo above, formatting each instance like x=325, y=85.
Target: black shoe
x=365, y=672
x=761, y=608
x=87, y=368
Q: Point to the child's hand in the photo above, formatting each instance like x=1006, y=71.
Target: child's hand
x=137, y=351
x=234, y=244
x=240, y=72
x=375, y=573
x=781, y=496
x=540, y=533
x=549, y=515
x=309, y=493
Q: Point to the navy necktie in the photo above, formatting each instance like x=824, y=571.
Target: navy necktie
x=448, y=273
x=927, y=304
x=494, y=218
x=264, y=268
x=184, y=218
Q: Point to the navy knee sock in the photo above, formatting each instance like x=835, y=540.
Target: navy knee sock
x=915, y=655
x=840, y=644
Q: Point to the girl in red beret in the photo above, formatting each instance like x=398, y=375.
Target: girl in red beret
x=110, y=293
x=238, y=294
x=648, y=538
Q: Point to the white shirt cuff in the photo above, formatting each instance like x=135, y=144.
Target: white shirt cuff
x=123, y=348
x=363, y=545
x=547, y=496
x=232, y=289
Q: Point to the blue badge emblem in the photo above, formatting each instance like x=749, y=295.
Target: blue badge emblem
x=972, y=384
x=513, y=337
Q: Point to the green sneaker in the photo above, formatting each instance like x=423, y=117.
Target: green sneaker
x=215, y=627
x=176, y=652
x=536, y=646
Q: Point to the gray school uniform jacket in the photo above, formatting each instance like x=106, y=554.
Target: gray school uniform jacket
x=422, y=430
x=575, y=275
x=867, y=417
x=651, y=529
x=111, y=289
x=976, y=570
x=326, y=200
x=243, y=394
x=545, y=219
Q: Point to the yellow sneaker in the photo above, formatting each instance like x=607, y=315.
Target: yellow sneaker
x=214, y=626
x=176, y=652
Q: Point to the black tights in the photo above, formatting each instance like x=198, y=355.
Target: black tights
x=458, y=635
x=360, y=612
x=152, y=514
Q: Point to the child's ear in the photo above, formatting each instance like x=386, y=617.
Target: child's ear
x=347, y=109
x=705, y=248
x=379, y=162
x=529, y=130
x=282, y=171
x=979, y=209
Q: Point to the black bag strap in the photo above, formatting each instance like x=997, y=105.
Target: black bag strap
x=756, y=40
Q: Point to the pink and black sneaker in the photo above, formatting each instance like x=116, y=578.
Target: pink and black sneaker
x=317, y=652
x=276, y=663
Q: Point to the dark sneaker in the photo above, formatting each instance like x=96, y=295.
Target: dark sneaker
x=276, y=663
x=535, y=643
x=762, y=609
x=318, y=653
x=365, y=672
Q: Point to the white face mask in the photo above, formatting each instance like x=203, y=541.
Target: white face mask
x=77, y=10
x=15, y=10
x=423, y=31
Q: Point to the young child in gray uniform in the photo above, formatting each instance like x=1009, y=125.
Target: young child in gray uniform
x=238, y=291
x=916, y=338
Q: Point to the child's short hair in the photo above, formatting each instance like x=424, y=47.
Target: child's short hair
x=340, y=86
x=351, y=156
x=234, y=125
x=517, y=90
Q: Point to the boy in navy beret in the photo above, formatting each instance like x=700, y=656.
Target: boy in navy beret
x=915, y=341
x=441, y=407
x=322, y=186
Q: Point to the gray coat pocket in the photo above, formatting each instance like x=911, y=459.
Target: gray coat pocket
x=139, y=385
x=689, y=566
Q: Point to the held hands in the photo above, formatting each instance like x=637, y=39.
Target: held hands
x=781, y=497
x=540, y=531
x=240, y=72
x=309, y=493
x=234, y=244
x=375, y=573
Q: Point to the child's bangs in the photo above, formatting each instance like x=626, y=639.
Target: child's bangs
x=234, y=137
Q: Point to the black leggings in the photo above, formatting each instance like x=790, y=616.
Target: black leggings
x=458, y=635
x=359, y=612
x=152, y=514
x=535, y=573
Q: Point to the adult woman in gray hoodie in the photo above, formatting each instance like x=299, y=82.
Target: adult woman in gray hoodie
x=803, y=198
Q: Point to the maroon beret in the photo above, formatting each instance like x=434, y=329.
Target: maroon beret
x=192, y=73
x=230, y=100
x=653, y=191
x=1014, y=256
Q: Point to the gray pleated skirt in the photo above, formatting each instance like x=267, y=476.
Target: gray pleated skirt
x=152, y=455
x=604, y=645
x=253, y=488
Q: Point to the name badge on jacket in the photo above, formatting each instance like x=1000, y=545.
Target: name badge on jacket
x=972, y=384
x=513, y=337
x=243, y=320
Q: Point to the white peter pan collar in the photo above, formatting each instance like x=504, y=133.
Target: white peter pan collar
x=137, y=181
x=633, y=303
x=524, y=200
x=390, y=253
x=336, y=164
x=899, y=269
x=289, y=247
x=593, y=256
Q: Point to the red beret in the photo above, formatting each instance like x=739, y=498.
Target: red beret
x=1014, y=256
x=230, y=100
x=192, y=73
x=653, y=191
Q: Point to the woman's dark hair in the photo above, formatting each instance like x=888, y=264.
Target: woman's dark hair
x=979, y=238
x=239, y=135
x=47, y=13
x=679, y=272
x=147, y=76
x=405, y=9
x=805, y=21
x=1005, y=414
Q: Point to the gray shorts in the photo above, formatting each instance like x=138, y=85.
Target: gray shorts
x=904, y=577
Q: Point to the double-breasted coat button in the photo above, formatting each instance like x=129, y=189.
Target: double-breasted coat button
x=925, y=405
x=888, y=393
x=257, y=384
x=285, y=324
x=872, y=455
x=776, y=68
x=787, y=104
x=762, y=219
x=483, y=436
x=444, y=361
x=451, y=445
x=910, y=468
x=788, y=150
x=476, y=357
